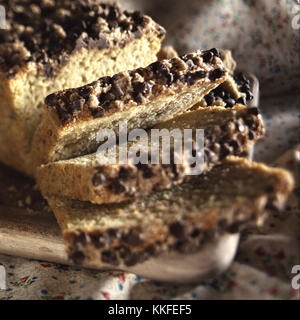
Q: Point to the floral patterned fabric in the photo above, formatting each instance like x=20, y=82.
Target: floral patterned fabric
x=264, y=38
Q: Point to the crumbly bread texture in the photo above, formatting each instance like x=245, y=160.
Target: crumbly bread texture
x=143, y=97
x=226, y=132
x=231, y=197
x=52, y=45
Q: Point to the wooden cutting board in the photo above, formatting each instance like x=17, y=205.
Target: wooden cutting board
x=27, y=226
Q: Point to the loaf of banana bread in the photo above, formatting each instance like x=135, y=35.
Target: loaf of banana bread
x=52, y=45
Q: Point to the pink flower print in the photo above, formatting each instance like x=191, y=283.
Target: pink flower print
x=23, y=280
x=122, y=277
x=260, y=251
x=106, y=295
x=231, y=284
x=273, y=291
x=280, y=255
x=46, y=265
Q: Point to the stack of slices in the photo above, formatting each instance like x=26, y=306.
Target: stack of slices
x=70, y=71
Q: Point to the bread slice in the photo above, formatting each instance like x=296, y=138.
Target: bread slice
x=142, y=97
x=231, y=197
x=226, y=132
x=58, y=44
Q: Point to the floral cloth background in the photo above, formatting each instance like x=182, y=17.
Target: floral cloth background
x=264, y=37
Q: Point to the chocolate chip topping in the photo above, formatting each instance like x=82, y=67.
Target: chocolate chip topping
x=133, y=237
x=108, y=256
x=78, y=257
x=222, y=94
x=128, y=89
x=47, y=32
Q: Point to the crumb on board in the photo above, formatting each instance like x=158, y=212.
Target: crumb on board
x=28, y=200
x=20, y=204
x=12, y=189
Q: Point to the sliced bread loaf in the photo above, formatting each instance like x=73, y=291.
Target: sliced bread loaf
x=53, y=45
x=232, y=197
x=143, y=97
x=226, y=132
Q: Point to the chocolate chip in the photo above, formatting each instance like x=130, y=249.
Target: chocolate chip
x=117, y=187
x=242, y=100
x=229, y=103
x=108, y=256
x=114, y=13
x=77, y=257
x=113, y=233
x=117, y=91
x=249, y=95
x=147, y=171
x=125, y=174
x=207, y=56
x=51, y=99
x=78, y=104
x=134, y=258
x=95, y=240
x=209, y=99
x=240, y=77
x=234, y=144
x=97, y=112
x=215, y=52
x=245, y=87
x=270, y=189
x=216, y=74
x=125, y=25
x=199, y=74
x=141, y=87
x=85, y=91
x=195, y=233
x=106, y=81
x=137, y=17
x=133, y=237
x=82, y=238
x=177, y=230
x=138, y=98
x=251, y=135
